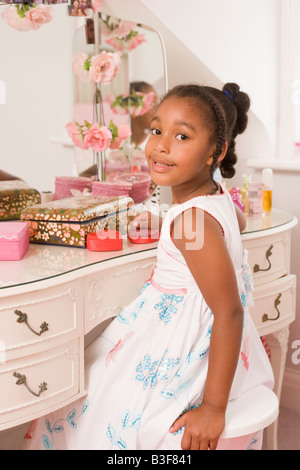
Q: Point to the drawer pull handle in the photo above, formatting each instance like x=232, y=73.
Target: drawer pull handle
x=265, y=316
x=22, y=380
x=268, y=254
x=24, y=319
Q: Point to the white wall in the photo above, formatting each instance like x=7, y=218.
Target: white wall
x=236, y=40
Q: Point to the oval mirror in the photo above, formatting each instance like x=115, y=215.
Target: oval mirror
x=122, y=99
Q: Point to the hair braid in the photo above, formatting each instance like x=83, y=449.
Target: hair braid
x=221, y=131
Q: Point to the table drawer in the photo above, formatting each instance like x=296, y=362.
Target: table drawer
x=32, y=320
x=38, y=382
x=269, y=257
x=110, y=291
x=274, y=305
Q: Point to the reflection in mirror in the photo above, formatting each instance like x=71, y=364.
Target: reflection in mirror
x=119, y=73
x=36, y=75
x=40, y=93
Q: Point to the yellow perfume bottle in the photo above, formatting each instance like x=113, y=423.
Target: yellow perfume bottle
x=267, y=177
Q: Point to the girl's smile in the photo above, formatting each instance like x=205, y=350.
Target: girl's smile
x=160, y=165
x=179, y=150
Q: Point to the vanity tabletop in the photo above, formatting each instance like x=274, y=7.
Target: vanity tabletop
x=265, y=222
x=43, y=261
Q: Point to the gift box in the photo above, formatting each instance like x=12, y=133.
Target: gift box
x=104, y=240
x=68, y=221
x=140, y=185
x=15, y=196
x=111, y=188
x=67, y=186
x=14, y=240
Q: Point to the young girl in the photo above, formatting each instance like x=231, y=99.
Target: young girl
x=160, y=376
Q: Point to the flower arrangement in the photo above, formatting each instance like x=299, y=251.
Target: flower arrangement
x=100, y=68
x=121, y=34
x=135, y=104
x=96, y=136
x=29, y=16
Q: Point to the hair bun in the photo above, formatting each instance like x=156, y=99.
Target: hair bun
x=242, y=103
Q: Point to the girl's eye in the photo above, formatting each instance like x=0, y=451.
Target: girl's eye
x=181, y=137
x=155, y=131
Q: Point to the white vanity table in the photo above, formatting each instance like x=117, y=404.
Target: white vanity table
x=55, y=295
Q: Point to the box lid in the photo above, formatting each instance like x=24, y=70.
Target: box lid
x=12, y=231
x=77, y=208
x=15, y=187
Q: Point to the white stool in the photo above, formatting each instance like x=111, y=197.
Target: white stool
x=251, y=412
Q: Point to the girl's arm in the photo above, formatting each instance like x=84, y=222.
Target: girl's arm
x=241, y=218
x=208, y=259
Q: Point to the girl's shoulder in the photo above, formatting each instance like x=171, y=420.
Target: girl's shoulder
x=219, y=206
x=215, y=202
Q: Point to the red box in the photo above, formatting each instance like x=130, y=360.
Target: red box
x=104, y=240
x=143, y=236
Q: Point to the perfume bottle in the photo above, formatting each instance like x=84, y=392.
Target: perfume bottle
x=267, y=178
x=255, y=198
x=245, y=192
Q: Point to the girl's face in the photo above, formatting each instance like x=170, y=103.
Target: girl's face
x=179, y=151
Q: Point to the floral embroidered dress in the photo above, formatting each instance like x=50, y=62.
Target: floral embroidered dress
x=150, y=364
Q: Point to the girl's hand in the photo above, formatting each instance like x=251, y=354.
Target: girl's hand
x=145, y=220
x=203, y=427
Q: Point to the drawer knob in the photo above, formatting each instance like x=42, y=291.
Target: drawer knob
x=268, y=254
x=266, y=317
x=23, y=318
x=22, y=380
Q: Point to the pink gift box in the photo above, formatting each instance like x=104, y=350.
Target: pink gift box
x=14, y=240
x=68, y=186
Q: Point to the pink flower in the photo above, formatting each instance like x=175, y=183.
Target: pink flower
x=148, y=99
x=38, y=16
x=124, y=131
x=130, y=42
x=123, y=29
x=81, y=66
x=135, y=41
x=97, y=137
x=116, y=109
x=116, y=43
x=76, y=134
x=11, y=16
x=105, y=66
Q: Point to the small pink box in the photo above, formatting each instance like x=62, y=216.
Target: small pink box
x=14, y=240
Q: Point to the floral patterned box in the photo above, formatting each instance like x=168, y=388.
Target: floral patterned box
x=68, y=221
x=15, y=196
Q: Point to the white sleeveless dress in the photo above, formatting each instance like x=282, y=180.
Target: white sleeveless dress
x=150, y=364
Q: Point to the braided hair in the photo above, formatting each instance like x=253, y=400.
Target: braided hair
x=225, y=115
